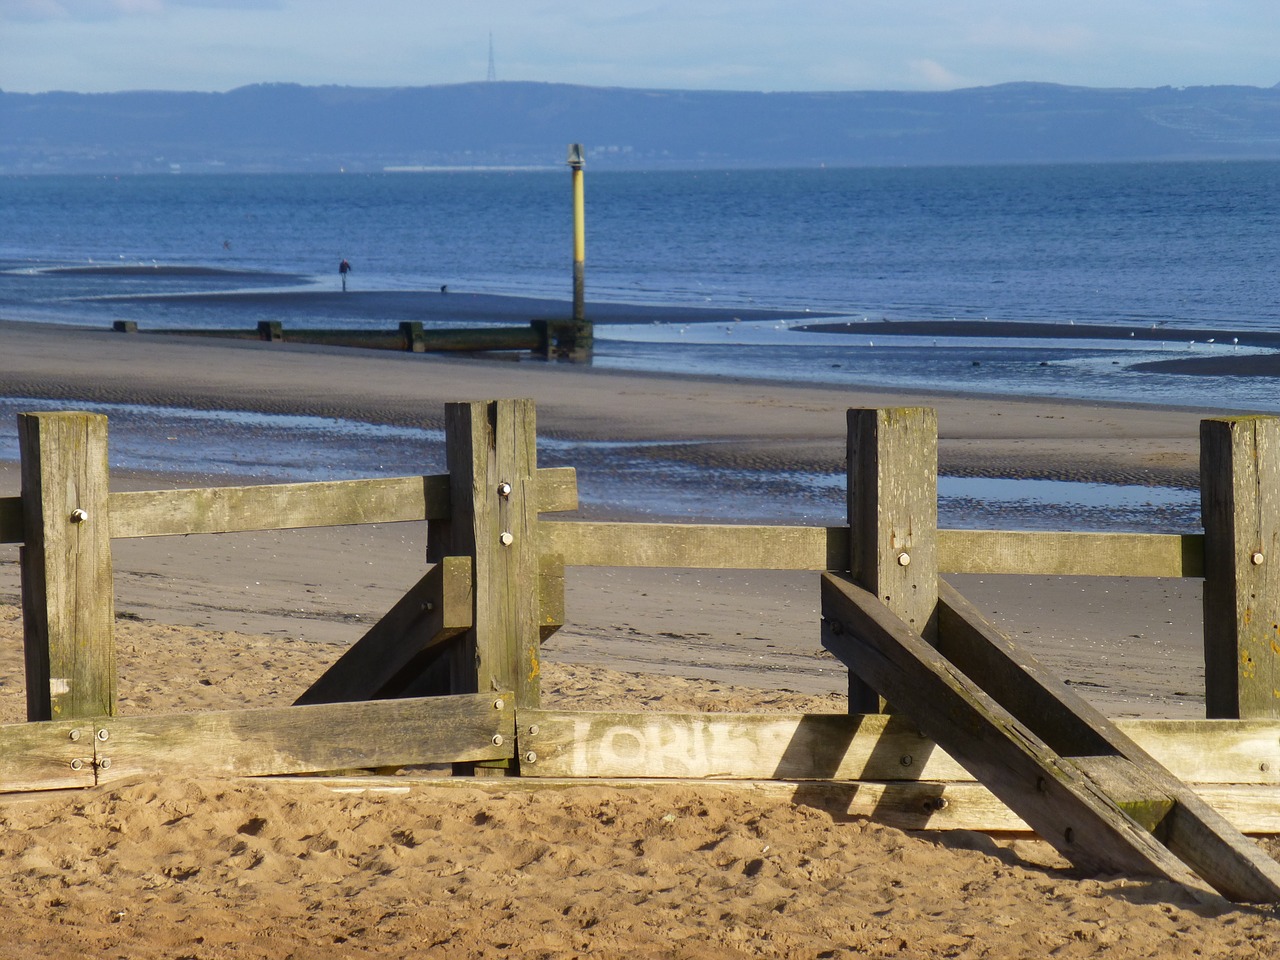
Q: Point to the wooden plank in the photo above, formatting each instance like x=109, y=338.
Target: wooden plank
x=556, y=490
x=391, y=655
x=68, y=602
x=746, y=547
x=1240, y=503
x=706, y=546
x=1191, y=830
x=892, y=498
x=1062, y=804
x=284, y=740
x=281, y=506
x=1211, y=751
x=492, y=462
x=550, y=594
x=278, y=506
x=10, y=519
x=53, y=755
x=739, y=746
x=1071, y=554
x=844, y=747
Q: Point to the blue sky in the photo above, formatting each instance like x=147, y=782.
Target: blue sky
x=106, y=45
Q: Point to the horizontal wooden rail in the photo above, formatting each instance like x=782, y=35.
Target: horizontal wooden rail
x=279, y=506
x=845, y=747
x=1071, y=554
x=283, y=506
x=258, y=742
x=587, y=544
x=727, y=546
x=284, y=740
x=710, y=546
x=335, y=503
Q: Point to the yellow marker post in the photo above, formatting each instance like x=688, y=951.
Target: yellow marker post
x=579, y=234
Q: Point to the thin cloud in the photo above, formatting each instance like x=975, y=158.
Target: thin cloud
x=932, y=74
x=96, y=11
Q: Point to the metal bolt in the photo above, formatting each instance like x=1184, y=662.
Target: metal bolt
x=504, y=489
x=936, y=803
x=104, y=734
x=533, y=729
x=75, y=734
x=1257, y=558
x=428, y=606
x=905, y=759
x=506, y=538
x=531, y=757
x=105, y=763
x=499, y=704
x=497, y=740
x=904, y=559
x=1069, y=835
x=837, y=627
x=1264, y=767
x=79, y=516
x=77, y=764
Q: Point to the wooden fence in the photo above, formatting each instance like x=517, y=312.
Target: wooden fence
x=451, y=673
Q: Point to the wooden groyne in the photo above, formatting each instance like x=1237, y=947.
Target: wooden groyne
x=546, y=338
x=451, y=673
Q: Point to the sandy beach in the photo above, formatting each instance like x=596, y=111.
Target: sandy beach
x=274, y=870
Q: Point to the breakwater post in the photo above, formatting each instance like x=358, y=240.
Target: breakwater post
x=579, y=234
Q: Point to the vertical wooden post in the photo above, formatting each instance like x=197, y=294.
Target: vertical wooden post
x=68, y=610
x=893, y=519
x=1240, y=507
x=492, y=474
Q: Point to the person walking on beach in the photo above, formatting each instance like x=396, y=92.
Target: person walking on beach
x=343, y=269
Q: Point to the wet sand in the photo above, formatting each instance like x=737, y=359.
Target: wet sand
x=676, y=623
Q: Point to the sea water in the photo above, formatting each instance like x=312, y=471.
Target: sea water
x=1173, y=247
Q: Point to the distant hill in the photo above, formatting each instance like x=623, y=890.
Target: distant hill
x=285, y=127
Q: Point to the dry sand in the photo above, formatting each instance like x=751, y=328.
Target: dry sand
x=275, y=870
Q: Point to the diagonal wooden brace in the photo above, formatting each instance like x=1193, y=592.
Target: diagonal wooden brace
x=1071, y=799
x=389, y=657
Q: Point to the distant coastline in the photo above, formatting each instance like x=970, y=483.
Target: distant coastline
x=506, y=126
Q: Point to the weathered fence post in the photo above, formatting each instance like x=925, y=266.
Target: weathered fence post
x=68, y=609
x=1240, y=507
x=893, y=519
x=490, y=448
